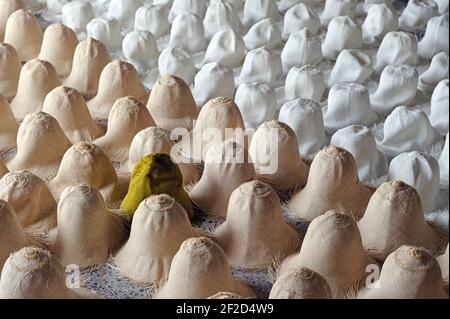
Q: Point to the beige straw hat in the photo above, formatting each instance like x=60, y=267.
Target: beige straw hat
x=3, y=169
x=333, y=248
x=408, y=273
x=9, y=71
x=332, y=184
x=171, y=103
x=394, y=217
x=87, y=231
x=118, y=79
x=89, y=59
x=8, y=7
x=58, y=47
x=86, y=163
x=200, y=269
x=443, y=262
x=300, y=283
x=128, y=116
x=226, y=161
x=159, y=227
x=37, y=79
x=8, y=127
x=34, y=152
x=275, y=144
x=254, y=233
x=34, y=273
x=24, y=33
x=31, y=199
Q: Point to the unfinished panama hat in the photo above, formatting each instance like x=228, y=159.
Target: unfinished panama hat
x=31, y=200
x=407, y=129
x=197, y=7
x=227, y=48
x=187, y=32
x=421, y=172
x=442, y=6
x=443, y=262
x=58, y=48
x=430, y=43
x=351, y=66
x=213, y=80
x=262, y=65
x=285, y=5
x=224, y=161
x=171, y=103
x=443, y=162
x=160, y=225
x=333, y=248
x=256, y=10
x=264, y=33
x=89, y=59
x=397, y=86
x=153, y=18
x=343, y=33
x=106, y=31
x=254, y=233
x=348, y=104
x=417, y=13
x=176, y=61
x=394, y=217
x=218, y=120
x=198, y=270
x=298, y=17
x=439, y=107
x=34, y=152
x=8, y=7
x=24, y=33
x=69, y=108
x=55, y=6
x=257, y=102
x=332, y=184
x=238, y=4
x=3, y=169
x=306, y=82
x=274, y=152
x=9, y=71
x=437, y=71
x=140, y=49
x=335, y=8
x=397, y=48
x=123, y=10
x=302, y=48
x=77, y=14
x=37, y=78
x=300, y=283
x=85, y=163
x=305, y=117
x=128, y=116
x=118, y=79
x=408, y=273
x=87, y=231
x=221, y=14
x=360, y=142
x=8, y=127
x=157, y=140
x=34, y=273
x=380, y=20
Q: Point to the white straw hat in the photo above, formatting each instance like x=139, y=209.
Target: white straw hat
x=430, y=44
x=443, y=262
x=343, y=33
x=106, y=31
x=9, y=71
x=264, y=33
x=262, y=65
x=197, y=7
x=8, y=7
x=227, y=48
x=443, y=162
x=417, y=13
x=77, y=14
x=335, y=8
x=188, y=33
x=439, y=107
x=285, y=5
x=177, y=62
x=256, y=10
x=442, y=5
x=8, y=127
x=302, y=48
x=123, y=10
x=380, y=20
x=397, y=48
x=437, y=71
x=140, y=49
x=213, y=80
x=153, y=18
x=299, y=17
x=221, y=14
x=351, y=66
x=306, y=82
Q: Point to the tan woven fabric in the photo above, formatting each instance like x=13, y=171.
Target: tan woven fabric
x=3, y=169
x=69, y=108
x=9, y=71
x=35, y=152
x=200, y=269
x=58, y=47
x=254, y=233
x=34, y=273
x=300, y=283
x=443, y=262
x=37, y=78
x=24, y=33
x=408, y=273
x=276, y=143
x=87, y=231
x=89, y=59
x=128, y=116
x=160, y=225
x=227, y=161
x=118, y=79
x=333, y=248
x=8, y=127
x=171, y=103
x=333, y=184
x=8, y=7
